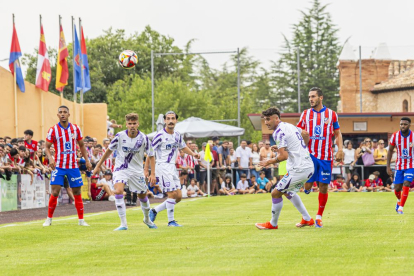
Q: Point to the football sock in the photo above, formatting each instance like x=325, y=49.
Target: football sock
x=161, y=207
x=145, y=206
x=398, y=195
x=323, y=198
x=170, y=203
x=277, y=204
x=297, y=202
x=52, y=206
x=404, y=196
x=79, y=205
x=120, y=207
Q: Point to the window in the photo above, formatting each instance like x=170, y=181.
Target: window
x=405, y=106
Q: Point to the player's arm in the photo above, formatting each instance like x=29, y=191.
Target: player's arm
x=339, y=142
x=190, y=152
x=151, y=161
x=85, y=154
x=107, y=153
x=52, y=164
x=305, y=136
x=281, y=156
x=389, y=156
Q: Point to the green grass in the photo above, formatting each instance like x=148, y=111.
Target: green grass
x=362, y=235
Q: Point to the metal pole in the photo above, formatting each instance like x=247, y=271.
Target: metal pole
x=15, y=94
x=360, y=81
x=152, y=88
x=238, y=93
x=298, y=81
x=82, y=77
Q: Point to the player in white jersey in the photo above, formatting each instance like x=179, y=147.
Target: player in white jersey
x=291, y=144
x=166, y=144
x=130, y=145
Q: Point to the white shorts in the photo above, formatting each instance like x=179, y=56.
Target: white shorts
x=294, y=180
x=167, y=177
x=135, y=182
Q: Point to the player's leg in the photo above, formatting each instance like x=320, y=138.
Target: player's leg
x=166, y=182
x=408, y=178
x=398, y=186
x=277, y=204
x=315, y=177
x=120, y=202
x=297, y=202
x=324, y=178
x=56, y=183
x=138, y=186
x=75, y=183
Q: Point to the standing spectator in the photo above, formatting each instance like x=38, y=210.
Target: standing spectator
x=2, y=141
x=355, y=183
x=368, y=157
x=181, y=163
x=41, y=144
x=192, y=162
x=255, y=161
x=96, y=155
x=203, y=169
x=216, y=141
x=108, y=163
x=380, y=157
x=260, y=145
x=349, y=159
x=230, y=145
x=224, y=152
x=7, y=139
x=110, y=126
x=374, y=144
x=244, y=159
x=20, y=143
x=266, y=153
x=214, y=164
x=30, y=143
x=95, y=142
x=243, y=185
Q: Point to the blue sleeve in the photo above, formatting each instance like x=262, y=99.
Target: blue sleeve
x=336, y=125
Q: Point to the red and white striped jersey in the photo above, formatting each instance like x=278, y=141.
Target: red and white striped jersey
x=321, y=126
x=191, y=162
x=404, y=146
x=64, y=140
x=108, y=161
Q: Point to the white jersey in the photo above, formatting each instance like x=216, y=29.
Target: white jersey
x=166, y=146
x=289, y=137
x=130, y=151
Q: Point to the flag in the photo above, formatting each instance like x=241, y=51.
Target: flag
x=86, y=76
x=62, y=71
x=15, y=53
x=76, y=62
x=43, y=73
x=207, y=155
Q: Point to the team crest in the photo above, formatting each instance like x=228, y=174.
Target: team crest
x=326, y=120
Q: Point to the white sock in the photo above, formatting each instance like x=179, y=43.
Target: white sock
x=276, y=208
x=161, y=207
x=145, y=206
x=297, y=202
x=120, y=207
x=319, y=217
x=170, y=203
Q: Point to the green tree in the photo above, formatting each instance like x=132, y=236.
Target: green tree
x=315, y=36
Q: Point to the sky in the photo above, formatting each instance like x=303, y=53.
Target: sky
x=223, y=25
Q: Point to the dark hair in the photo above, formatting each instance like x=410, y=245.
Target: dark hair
x=20, y=140
x=98, y=146
x=41, y=141
x=29, y=132
x=13, y=141
x=406, y=119
x=262, y=172
x=352, y=177
x=7, y=137
x=318, y=90
x=2, y=146
x=22, y=148
x=63, y=106
x=243, y=175
x=13, y=152
x=248, y=142
x=170, y=112
x=243, y=140
x=271, y=111
x=1, y=138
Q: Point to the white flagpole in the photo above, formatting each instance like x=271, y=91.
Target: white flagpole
x=208, y=178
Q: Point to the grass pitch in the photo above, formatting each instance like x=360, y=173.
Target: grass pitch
x=362, y=235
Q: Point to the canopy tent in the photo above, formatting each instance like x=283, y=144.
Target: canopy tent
x=198, y=128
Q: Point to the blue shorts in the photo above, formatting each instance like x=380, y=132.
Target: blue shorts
x=403, y=175
x=323, y=171
x=73, y=175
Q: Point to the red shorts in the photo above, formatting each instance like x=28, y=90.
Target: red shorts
x=98, y=194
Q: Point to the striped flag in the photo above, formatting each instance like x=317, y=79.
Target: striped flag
x=86, y=86
x=62, y=71
x=43, y=73
x=15, y=53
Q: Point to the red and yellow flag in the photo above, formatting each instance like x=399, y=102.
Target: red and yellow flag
x=43, y=73
x=62, y=71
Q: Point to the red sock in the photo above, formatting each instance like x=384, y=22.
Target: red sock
x=323, y=198
x=79, y=206
x=405, y=192
x=397, y=194
x=52, y=206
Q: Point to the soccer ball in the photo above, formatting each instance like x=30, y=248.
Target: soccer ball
x=128, y=59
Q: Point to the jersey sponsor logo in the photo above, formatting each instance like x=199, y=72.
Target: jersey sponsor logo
x=408, y=174
x=405, y=152
x=129, y=150
x=318, y=130
x=325, y=173
x=77, y=178
x=68, y=145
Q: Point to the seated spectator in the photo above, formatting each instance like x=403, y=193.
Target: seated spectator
x=337, y=184
x=378, y=181
x=183, y=182
x=370, y=184
x=14, y=156
x=255, y=185
x=243, y=185
x=355, y=183
x=227, y=187
x=315, y=187
x=100, y=191
x=264, y=183
x=389, y=185
x=193, y=190
x=107, y=179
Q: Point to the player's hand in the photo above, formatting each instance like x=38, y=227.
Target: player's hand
x=263, y=163
x=389, y=171
x=274, y=148
x=196, y=156
x=89, y=165
x=52, y=164
x=152, y=179
x=96, y=170
x=146, y=173
x=339, y=156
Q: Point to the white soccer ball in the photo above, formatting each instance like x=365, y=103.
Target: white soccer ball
x=128, y=59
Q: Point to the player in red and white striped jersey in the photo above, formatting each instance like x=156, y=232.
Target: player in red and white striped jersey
x=403, y=140
x=322, y=124
x=64, y=136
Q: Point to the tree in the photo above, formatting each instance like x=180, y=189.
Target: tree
x=315, y=36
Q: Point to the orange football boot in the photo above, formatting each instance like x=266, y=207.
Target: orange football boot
x=265, y=226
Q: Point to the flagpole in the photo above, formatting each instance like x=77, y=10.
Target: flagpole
x=82, y=76
x=208, y=178
x=15, y=94
x=61, y=92
x=41, y=92
x=74, y=72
